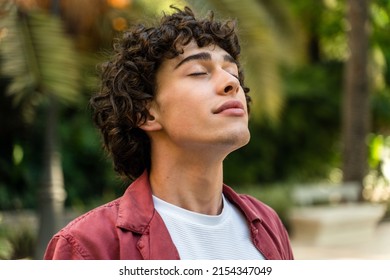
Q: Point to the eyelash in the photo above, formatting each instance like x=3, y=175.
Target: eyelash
x=235, y=76
x=205, y=73
x=198, y=73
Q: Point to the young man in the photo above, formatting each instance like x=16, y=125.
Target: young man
x=172, y=106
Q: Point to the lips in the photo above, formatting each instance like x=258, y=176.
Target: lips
x=228, y=105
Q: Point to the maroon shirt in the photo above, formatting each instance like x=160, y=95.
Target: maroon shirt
x=129, y=228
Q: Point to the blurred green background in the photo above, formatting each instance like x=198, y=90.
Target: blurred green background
x=294, y=56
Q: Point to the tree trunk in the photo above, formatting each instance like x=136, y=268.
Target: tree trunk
x=52, y=194
x=356, y=106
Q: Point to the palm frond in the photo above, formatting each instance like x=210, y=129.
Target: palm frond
x=38, y=57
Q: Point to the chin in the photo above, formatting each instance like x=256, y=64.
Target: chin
x=245, y=141
x=238, y=139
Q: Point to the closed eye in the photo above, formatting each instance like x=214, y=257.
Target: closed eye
x=198, y=74
x=236, y=76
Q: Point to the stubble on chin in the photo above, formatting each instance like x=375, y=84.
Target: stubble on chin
x=237, y=140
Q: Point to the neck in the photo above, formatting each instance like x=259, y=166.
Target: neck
x=190, y=182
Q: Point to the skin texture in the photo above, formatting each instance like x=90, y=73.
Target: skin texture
x=198, y=117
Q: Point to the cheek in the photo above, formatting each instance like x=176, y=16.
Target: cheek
x=174, y=111
x=183, y=103
x=182, y=97
x=184, y=117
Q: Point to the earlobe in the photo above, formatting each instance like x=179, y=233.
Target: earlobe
x=151, y=123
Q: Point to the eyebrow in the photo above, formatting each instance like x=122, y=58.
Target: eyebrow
x=204, y=56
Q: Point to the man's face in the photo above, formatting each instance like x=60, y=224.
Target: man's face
x=199, y=101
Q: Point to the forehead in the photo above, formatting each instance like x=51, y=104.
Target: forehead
x=215, y=52
x=192, y=48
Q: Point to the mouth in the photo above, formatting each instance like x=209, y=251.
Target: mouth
x=231, y=106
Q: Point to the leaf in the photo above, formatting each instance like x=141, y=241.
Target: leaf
x=39, y=58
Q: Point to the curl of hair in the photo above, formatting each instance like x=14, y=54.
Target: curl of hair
x=128, y=80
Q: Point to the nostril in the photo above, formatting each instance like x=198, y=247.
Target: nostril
x=228, y=88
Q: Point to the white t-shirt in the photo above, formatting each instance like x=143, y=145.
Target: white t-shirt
x=205, y=237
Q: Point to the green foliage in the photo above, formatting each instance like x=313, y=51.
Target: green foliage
x=380, y=106
x=277, y=196
x=23, y=243
x=304, y=145
x=17, y=242
x=88, y=173
x=15, y=188
x=5, y=248
x=39, y=58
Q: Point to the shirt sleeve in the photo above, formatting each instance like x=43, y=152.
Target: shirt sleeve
x=63, y=248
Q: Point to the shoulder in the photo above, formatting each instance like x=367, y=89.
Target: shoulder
x=97, y=217
x=86, y=235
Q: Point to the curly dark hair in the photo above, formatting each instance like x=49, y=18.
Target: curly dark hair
x=128, y=80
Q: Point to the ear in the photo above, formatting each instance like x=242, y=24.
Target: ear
x=151, y=123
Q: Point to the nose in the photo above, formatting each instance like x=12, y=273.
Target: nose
x=229, y=84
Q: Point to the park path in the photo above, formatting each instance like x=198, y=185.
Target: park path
x=377, y=248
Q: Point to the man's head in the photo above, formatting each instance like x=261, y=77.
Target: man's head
x=129, y=80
